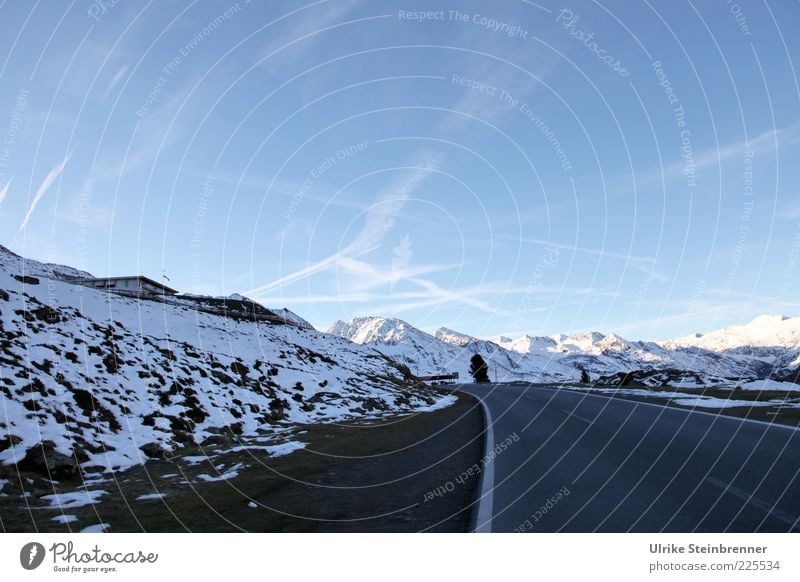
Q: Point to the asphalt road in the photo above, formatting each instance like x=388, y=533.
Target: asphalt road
x=586, y=463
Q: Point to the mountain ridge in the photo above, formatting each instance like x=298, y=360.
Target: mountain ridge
x=562, y=357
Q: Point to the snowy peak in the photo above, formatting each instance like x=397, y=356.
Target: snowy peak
x=367, y=330
x=528, y=344
x=581, y=342
x=613, y=342
x=453, y=337
x=291, y=317
x=764, y=331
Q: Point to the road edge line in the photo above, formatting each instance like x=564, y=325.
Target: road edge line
x=483, y=520
x=692, y=410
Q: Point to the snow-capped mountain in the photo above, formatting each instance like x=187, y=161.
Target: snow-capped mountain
x=104, y=380
x=763, y=332
x=730, y=355
x=527, y=344
x=446, y=351
x=366, y=330
x=453, y=337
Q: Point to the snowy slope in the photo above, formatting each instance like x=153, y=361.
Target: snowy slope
x=98, y=376
x=291, y=317
x=453, y=337
x=13, y=263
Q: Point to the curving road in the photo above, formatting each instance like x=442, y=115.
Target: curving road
x=585, y=463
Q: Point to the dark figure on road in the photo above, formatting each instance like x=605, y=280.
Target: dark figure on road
x=478, y=369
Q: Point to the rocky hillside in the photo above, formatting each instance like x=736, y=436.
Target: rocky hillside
x=105, y=381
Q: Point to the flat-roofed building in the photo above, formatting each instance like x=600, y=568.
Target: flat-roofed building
x=136, y=285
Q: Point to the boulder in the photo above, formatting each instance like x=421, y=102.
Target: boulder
x=44, y=460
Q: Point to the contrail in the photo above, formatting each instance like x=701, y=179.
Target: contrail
x=380, y=218
x=46, y=183
x=4, y=191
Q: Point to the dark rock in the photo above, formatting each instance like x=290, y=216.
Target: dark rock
x=196, y=415
x=44, y=460
x=9, y=441
x=154, y=450
x=27, y=279
x=278, y=408
x=110, y=362
x=222, y=377
x=240, y=369
x=47, y=314
x=217, y=440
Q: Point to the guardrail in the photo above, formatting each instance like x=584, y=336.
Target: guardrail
x=449, y=378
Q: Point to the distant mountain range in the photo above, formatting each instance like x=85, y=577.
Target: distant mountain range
x=767, y=347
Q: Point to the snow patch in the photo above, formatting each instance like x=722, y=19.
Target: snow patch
x=272, y=450
x=222, y=477
x=439, y=404
x=711, y=402
x=97, y=528
x=65, y=518
x=74, y=498
x=151, y=496
x=768, y=384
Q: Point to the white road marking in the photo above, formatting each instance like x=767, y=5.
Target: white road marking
x=483, y=523
x=717, y=415
x=762, y=505
x=578, y=416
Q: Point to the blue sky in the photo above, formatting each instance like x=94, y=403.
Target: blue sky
x=497, y=168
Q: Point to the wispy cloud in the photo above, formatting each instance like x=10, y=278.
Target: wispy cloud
x=439, y=295
x=380, y=219
x=84, y=213
x=511, y=75
x=500, y=66
x=367, y=276
x=790, y=212
x=43, y=188
x=496, y=289
x=712, y=155
x=4, y=190
x=717, y=155
x=649, y=261
x=645, y=264
x=114, y=81
x=305, y=33
x=362, y=297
